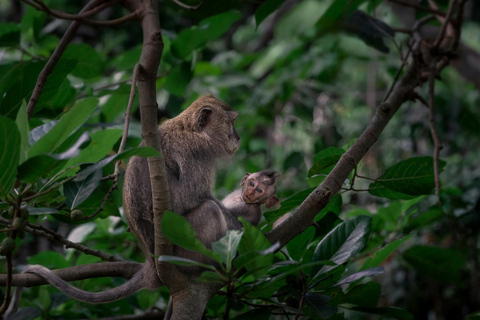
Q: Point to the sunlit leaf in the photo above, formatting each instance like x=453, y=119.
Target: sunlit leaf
x=343, y=242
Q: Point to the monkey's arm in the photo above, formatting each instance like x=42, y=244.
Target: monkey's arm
x=238, y=208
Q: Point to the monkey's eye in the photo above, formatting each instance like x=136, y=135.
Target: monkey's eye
x=259, y=190
x=251, y=184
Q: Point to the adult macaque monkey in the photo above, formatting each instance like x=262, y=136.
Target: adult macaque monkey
x=258, y=188
x=191, y=143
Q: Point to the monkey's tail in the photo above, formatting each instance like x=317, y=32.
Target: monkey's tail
x=122, y=291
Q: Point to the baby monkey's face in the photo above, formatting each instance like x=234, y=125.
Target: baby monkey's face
x=259, y=188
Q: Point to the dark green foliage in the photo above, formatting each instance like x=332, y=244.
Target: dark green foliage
x=301, y=80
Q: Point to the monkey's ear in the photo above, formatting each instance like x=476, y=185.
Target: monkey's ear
x=273, y=176
x=245, y=178
x=204, y=116
x=272, y=201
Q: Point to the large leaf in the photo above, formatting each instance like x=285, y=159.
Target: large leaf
x=143, y=152
x=336, y=13
x=379, y=190
x=382, y=254
x=67, y=124
x=179, y=231
x=9, y=154
x=227, y=247
x=9, y=34
x=297, y=247
x=439, y=263
x=365, y=295
x=209, y=29
x=324, y=159
x=178, y=79
x=265, y=9
x=414, y=176
x=370, y=30
x=253, y=241
x=184, y=262
x=318, y=303
x=23, y=128
x=343, y=242
x=78, y=191
x=89, y=64
x=47, y=165
x=23, y=89
x=101, y=143
x=372, y=272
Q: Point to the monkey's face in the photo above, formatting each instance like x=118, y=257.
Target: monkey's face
x=259, y=188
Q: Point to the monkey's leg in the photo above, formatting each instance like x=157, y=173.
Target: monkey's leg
x=209, y=223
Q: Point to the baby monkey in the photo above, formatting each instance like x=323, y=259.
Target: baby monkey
x=258, y=188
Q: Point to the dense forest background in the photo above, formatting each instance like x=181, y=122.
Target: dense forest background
x=306, y=78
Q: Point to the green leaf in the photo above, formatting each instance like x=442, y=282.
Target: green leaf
x=253, y=241
x=413, y=176
x=364, y=295
x=9, y=154
x=67, y=124
x=441, y=264
x=343, y=242
x=300, y=19
x=44, y=298
x=49, y=259
x=288, y=205
x=209, y=29
x=382, y=254
x=78, y=191
x=185, y=262
x=391, y=312
x=255, y=314
x=369, y=29
x=143, y=152
x=178, y=79
x=89, y=64
x=324, y=159
x=297, y=247
x=379, y=190
x=371, y=272
x=266, y=9
x=336, y=13
x=23, y=128
x=48, y=165
x=318, y=303
x=227, y=247
x=9, y=34
x=101, y=143
x=179, y=231
x=210, y=276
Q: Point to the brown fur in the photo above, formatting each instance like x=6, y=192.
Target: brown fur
x=191, y=142
x=246, y=202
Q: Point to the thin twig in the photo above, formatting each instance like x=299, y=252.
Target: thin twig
x=399, y=71
x=127, y=116
x=55, y=237
x=186, y=6
x=444, y=26
x=41, y=6
x=436, y=141
x=104, y=202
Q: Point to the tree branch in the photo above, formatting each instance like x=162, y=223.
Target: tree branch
x=148, y=66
